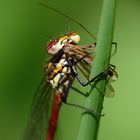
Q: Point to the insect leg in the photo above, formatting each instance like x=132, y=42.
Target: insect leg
x=65, y=97
x=115, y=48
x=92, y=111
x=113, y=75
x=75, y=74
x=114, y=45
x=112, y=67
x=78, y=91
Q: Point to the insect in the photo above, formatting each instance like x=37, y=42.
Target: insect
x=60, y=72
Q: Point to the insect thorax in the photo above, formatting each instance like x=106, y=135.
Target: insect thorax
x=58, y=73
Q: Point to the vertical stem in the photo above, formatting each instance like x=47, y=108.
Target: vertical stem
x=89, y=124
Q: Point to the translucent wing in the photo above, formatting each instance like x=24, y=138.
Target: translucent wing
x=41, y=107
x=82, y=58
x=109, y=90
x=113, y=76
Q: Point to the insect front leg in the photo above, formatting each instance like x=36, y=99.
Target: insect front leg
x=75, y=74
x=114, y=45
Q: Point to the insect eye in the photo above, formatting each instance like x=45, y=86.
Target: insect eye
x=74, y=37
x=51, y=43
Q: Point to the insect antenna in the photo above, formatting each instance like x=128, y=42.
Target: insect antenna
x=49, y=37
x=66, y=16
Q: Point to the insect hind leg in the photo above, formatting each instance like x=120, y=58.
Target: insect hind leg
x=65, y=97
x=92, y=111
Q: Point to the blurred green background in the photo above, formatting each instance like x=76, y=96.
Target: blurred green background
x=24, y=25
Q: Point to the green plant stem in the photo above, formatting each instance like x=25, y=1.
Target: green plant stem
x=89, y=124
